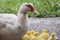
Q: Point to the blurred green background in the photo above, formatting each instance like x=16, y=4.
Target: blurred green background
x=46, y=8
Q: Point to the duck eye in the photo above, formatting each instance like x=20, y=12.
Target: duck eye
x=31, y=7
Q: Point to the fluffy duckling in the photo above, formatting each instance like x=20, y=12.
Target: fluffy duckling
x=27, y=36
x=44, y=35
x=35, y=36
x=52, y=37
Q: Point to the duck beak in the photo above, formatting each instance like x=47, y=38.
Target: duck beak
x=35, y=12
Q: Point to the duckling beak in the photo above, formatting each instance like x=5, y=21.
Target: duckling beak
x=35, y=12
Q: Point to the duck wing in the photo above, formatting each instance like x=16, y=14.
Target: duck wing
x=8, y=18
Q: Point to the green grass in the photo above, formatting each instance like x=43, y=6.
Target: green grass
x=46, y=8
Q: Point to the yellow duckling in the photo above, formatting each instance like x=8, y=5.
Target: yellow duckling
x=52, y=37
x=35, y=36
x=44, y=35
x=27, y=36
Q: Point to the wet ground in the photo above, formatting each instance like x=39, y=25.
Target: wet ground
x=51, y=24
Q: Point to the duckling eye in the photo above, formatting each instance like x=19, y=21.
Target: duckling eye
x=31, y=7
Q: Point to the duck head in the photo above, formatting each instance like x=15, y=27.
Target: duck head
x=27, y=7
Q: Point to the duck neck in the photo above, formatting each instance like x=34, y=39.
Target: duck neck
x=22, y=18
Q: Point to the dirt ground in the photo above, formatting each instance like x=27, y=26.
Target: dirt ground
x=51, y=24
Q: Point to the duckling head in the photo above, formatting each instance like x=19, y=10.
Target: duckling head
x=32, y=31
x=53, y=34
x=46, y=31
x=36, y=34
x=28, y=33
